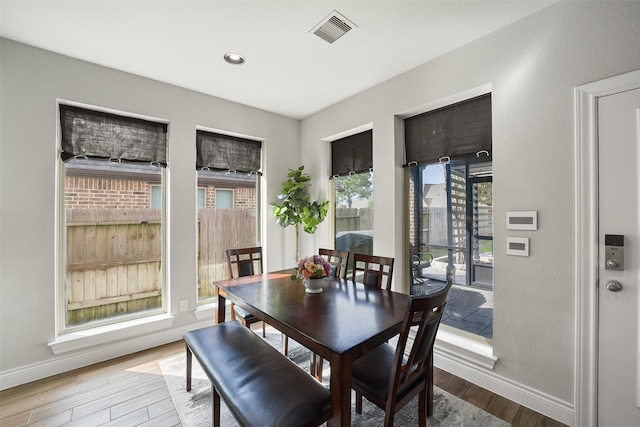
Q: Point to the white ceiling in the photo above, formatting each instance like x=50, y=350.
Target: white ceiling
x=288, y=71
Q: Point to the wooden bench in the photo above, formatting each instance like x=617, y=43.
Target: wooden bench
x=260, y=386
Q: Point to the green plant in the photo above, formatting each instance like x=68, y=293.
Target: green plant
x=295, y=208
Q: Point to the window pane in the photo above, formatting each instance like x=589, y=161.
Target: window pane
x=451, y=226
x=224, y=199
x=354, y=214
x=156, y=197
x=202, y=195
x=220, y=229
x=113, y=242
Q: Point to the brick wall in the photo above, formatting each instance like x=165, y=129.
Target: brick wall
x=109, y=193
x=88, y=192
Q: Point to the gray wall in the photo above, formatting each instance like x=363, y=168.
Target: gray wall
x=32, y=80
x=532, y=66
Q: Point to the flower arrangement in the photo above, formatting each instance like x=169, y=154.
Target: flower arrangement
x=313, y=267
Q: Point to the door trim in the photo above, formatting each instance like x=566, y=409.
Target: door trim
x=586, y=242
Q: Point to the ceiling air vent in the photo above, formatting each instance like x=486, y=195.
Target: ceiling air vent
x=332, y=27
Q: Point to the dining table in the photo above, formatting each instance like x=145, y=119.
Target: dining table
x=340, y=324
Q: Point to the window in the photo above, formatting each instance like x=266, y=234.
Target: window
x=228, y=173
x=156, y=197
x=352, y=173
x=201, y=198
x=224, y=198
x=113, y=230
x=451, y=209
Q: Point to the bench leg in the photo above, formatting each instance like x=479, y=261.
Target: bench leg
x=189, y=364
x=216, y=407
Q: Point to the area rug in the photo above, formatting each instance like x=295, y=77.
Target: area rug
x=194, y=407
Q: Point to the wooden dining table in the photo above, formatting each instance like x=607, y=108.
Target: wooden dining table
x=340, y=324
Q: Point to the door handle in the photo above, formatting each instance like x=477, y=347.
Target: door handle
x=614, y=286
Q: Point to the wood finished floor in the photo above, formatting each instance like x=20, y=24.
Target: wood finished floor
x=130, y=391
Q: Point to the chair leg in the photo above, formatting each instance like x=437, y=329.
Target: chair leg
x=422, y=410
x=319, y=363
x=264, y=330
x=429, y=391
x=189, y=365
x=315, y=365
x=358, y=402
x=285, y=345
x=233, y=311
x=215, y=407
x=313, y=359
x=390, y=411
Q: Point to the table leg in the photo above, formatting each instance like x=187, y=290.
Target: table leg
x=340, y=384
x=220, y=312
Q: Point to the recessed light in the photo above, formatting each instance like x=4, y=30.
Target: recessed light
x=234, y=58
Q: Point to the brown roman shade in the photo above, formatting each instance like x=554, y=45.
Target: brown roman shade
x=454, y=132
x=352, y=154
x=104, y=136
x=219, y=152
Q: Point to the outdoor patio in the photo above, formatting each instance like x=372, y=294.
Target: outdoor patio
x=469, y=309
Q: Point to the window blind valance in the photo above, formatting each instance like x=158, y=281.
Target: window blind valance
x=99, y=135
x=216, y=151
x=352, y=154
x=454, y=132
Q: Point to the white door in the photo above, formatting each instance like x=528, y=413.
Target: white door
x=619, y=214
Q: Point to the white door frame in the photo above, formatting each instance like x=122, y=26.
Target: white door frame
x=586, y=242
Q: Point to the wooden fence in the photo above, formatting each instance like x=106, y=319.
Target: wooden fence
x=351, y=219
x=218, y=230
x=114, y=258
x=113, y=263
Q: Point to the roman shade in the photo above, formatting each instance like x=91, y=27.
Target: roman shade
x=454, y=132
x=104, y=136
x=352, y=154
x=215, y=151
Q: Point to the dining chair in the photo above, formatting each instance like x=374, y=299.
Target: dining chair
x=373, y=269
x=247, y=262
x=244, y=262
x=338, y=260
x=390, y=377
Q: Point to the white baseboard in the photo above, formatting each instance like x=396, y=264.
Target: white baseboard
x=74, y=360
x=526, y=396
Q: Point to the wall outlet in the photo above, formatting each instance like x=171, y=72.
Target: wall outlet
x=184, y=305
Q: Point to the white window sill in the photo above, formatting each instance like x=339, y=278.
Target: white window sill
x=104, y=334
x=206, y=311
x=464, y=347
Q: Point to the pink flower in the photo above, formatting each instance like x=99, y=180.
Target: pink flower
x=313, y=267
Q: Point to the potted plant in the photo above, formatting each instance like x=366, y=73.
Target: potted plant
x=295, y=208
x=312, y=270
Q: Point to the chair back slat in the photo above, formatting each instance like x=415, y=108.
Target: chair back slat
x=244, y=262
x=338, y=261
x=374, y=270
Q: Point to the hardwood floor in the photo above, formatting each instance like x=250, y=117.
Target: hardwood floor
x=130, y=391
x=517, y=415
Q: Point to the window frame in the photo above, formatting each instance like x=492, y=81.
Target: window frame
x=110, y=326
x=205, y=162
